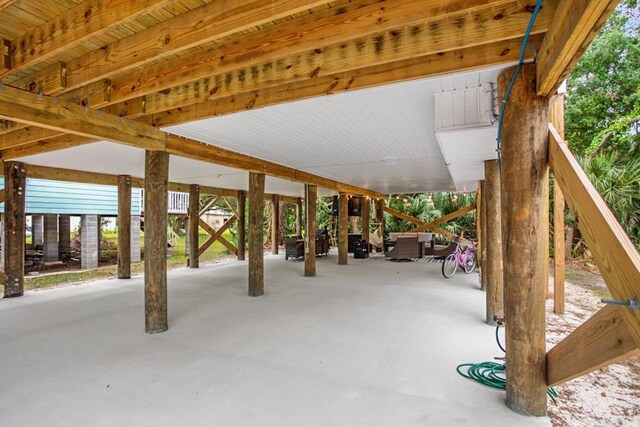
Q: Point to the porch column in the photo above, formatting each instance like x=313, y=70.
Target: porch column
x=124, y=227
x=275, y=223
x=135, y=238
x=155, y=240
x=51, y=237
x=37, y=229
x=493, y=242
x=242, y=225
x=343, y=230
x=525, y=222
x=299, y=216
x=15, y=180
x=556, y=114
x=366, y=214
x=64, y=234
x=89, y=241
x=194, y=226
x=256, y=234
x=380, y=220
x=310, y=197
x=479, y=236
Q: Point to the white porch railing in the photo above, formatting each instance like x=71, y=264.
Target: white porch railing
x=177, y=203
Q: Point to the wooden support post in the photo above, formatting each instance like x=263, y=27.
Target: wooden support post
x=256, y=234
x=155, y=240
x=482, y=213
x=194, y=225
x=15, y=180
x=380, y=220
x=366, y=218
x=311, y=196
x=525, y=222
x=241, y=231
x=556, y=117
x=493, y=242
x=299, y=216
x=275, y=223
x=343, y=229
x=124, y=227
x=479, y=235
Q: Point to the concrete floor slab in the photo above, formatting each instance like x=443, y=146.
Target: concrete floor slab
x=374, y=343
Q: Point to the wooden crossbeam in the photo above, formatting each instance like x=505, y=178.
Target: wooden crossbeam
x=88, y=19
x=614, y=253
x=56, y=143
x=603, y=339
x=217, y=235
x=575, y=24
x=433, y=224
x=47, y=112
x=294, y=61
x=186, y=30
x=207, y=206
x=6, y=3
x=503, y=52
x=402, y=215
x=2, y=196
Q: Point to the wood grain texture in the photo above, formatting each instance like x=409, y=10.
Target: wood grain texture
x=366, y=218
x=80, y=23
x=602, y=340
x=124, y=227
x=493, y=243
x=155, y=241
x=613, y=252
x=525, y=225
x=242, y=224
x=299, y=202
x=343, y=230
x=311, y=197
x=15, y=181
x=256, y=234
x=481, y=232
x=193, y=213
x=380, y=219
x=556, y=117
x=575, y=24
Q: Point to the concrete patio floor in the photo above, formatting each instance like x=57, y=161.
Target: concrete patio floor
x=374, y=343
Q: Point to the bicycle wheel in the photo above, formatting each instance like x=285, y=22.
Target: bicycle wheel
x=449, y=266
x=470, y=264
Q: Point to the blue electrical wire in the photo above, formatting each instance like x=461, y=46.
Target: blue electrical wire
x=513, y=80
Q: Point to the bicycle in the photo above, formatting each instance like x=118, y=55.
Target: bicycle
x=465, y=259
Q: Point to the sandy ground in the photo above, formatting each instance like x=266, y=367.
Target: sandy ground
x=606, y=397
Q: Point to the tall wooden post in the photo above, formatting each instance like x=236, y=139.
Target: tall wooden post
x=479, y=231
x=311, y=196
x=124, y=227
x=366, y=214
x=241, y=230
x=275, y=224
x=256, y=234
x=525, y=222
x=155, y=240
x=483, y=224
x=15, y=181
x=556, y=116
x=343, y=230
x=194, y=225
x=299, y=216
x=380, y=220
x=493, y=242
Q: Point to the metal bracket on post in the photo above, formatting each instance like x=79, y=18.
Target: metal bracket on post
x=632, y=303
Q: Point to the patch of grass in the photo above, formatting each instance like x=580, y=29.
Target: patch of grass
x=177, y=259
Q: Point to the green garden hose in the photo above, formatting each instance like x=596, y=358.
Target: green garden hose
x=492, y=374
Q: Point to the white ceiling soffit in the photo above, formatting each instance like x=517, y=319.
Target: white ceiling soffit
x=117, y=159
x=380, y=138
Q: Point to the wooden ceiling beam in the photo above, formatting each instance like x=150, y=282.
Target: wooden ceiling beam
x=60, y=142
x=258, y=63
x=195, y=27
x=44, y=111
x=500, y=53
x=575, y=24
x=6, y=3
x=80, y=23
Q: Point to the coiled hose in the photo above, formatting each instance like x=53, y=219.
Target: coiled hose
x=492, y=374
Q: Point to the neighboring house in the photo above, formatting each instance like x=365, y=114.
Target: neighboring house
x=52, y=204
x=216, y=217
